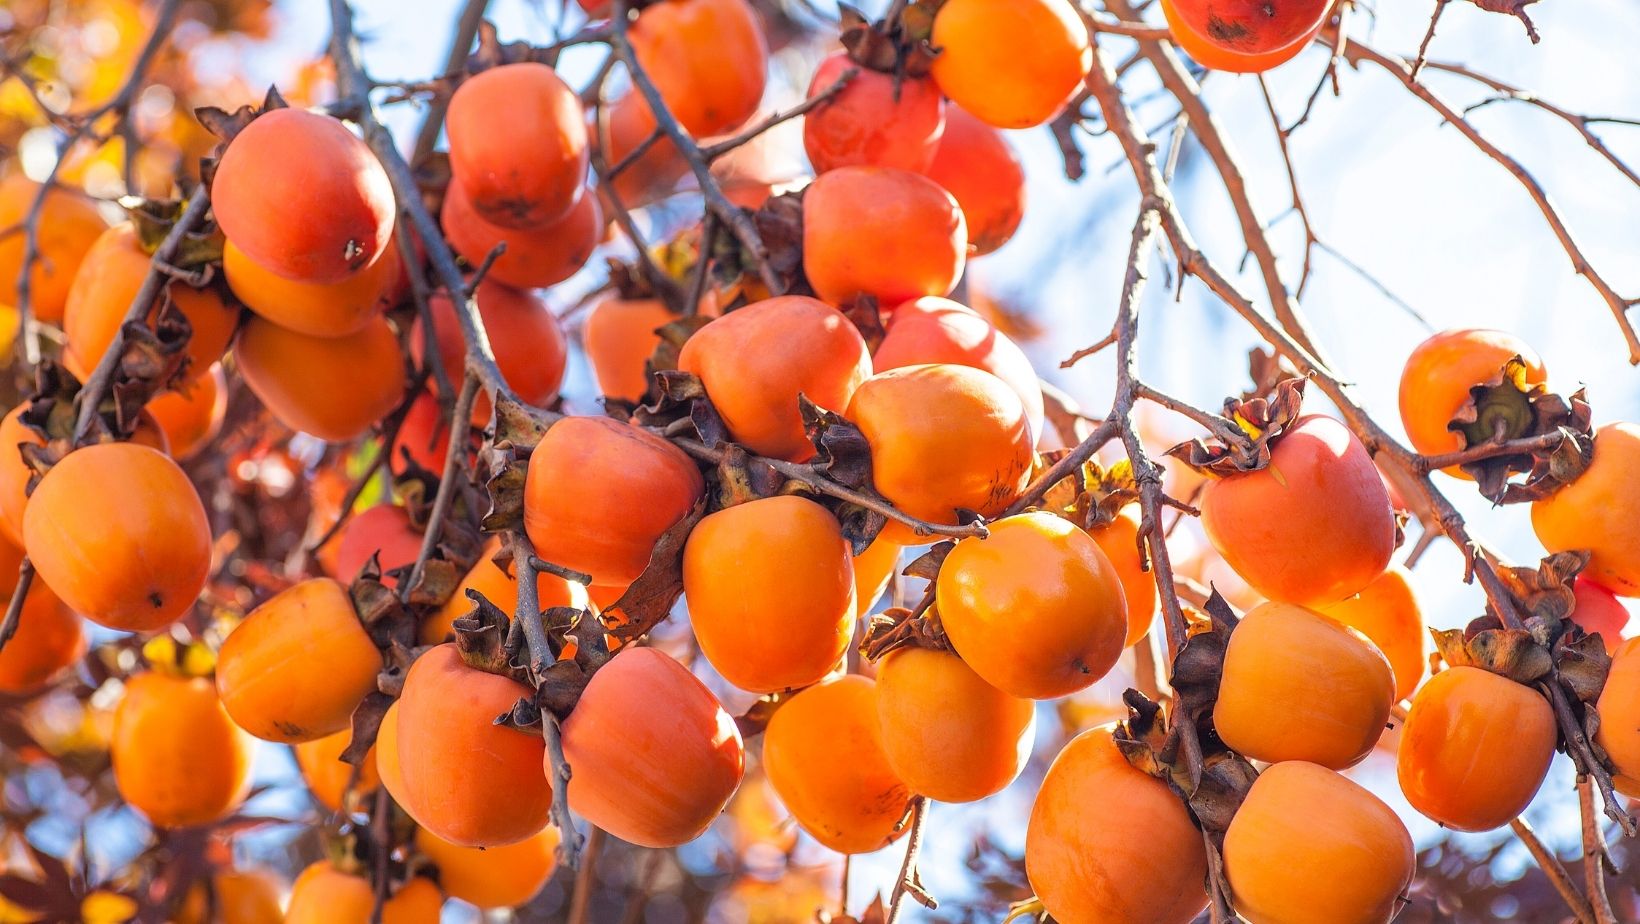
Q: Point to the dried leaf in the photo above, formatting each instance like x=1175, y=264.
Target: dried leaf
x=1264, y=420
x=649, y=599
x=367, y=723
x=841, y=451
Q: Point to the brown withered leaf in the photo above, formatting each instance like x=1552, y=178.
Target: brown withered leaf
x=504, y=461
x=672, y=395
x=841, y=451
x=225, y=125
x=899, y=47
x=481, y=637
x=1091, y=496
x=867, y=317
x=1264, y=420
x=673, y=335
x=518, y=424
x=742, y=478
x=1510, y=653
x=1507, y=407
x=1582, y=665
x=1544, y=594
x=1265, y=369
x=438, y=580
x=756, y=717
x=875, y=913
x=1226, y=778
x=378, y=607
x=927, y=565
x=861, y=525
x=524, y=716
x=897, y=627
x=367, y=723
x=649, y=598
x=779, y=223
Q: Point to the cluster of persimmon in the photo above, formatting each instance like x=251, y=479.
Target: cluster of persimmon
x=312, y=295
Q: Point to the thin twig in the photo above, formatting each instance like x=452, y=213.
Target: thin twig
x=581, y=899
x=467, y=23
x=717, y=149
x=910, y=882
x=14, y=609
x=455, y=459
x=1594, y=856
x=569, y=842
x=1552, y=868
x=1490, y=450
x=1429, y=36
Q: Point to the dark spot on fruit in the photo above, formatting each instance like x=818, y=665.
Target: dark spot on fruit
x=1225, y=30
x=155, y=600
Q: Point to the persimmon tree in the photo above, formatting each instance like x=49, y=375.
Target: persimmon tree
x=290, y=433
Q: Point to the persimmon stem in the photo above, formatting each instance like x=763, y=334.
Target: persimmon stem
x=569, y=842
x=455, y=459
x=14, y=609
x=102, y=377
x=1552, y=868
x=1490, y=450
x=910, y=883
x=1594, y=855
x=580, y=901
x=1107, y=430
x=528, y=610
x=1220, y=426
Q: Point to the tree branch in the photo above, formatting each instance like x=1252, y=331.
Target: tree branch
x=1552, y=868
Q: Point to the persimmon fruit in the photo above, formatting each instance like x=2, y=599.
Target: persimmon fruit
x=1299, y=686
x=140, y=563
x=529, y=345
x=707, y=58
x=496, y=877
x=770, y=585
x=1619, y=708
x=265, y=668
x=327, y=775
x=288, y=166
x=1312, y=527
x=190, y=414
x=1598, y=611
x=979, y=168
x=756, y=361
x=1251, y=27
x=68, y=227
x=1475, y=748
x=1119, y=540
x=1035, y=608
x=1387, y=613
x=881, y=119
x=535, y=257
x=383, y=531
x=1012, y=63
x=873, y=569
x=324, y=894
x=1437, y=377
x=331, y=387
x=318, y=309
x=500, y=588
x=178, y=758
x=1600, y=512
x=883, y=232
x=1219, y=58
x=651, y=777
x=49, y=638
x=619, y=335
x=534, y=171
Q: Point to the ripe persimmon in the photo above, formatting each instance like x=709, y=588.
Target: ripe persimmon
x=323, y=894
x=14, y=472
x=1119, y=540
x=266, y=667
x=528, y=343
x=384, y=531
x=331, y=387
x=178, y=759
x=1436, y=380
x=937, y=330
x=141, y=561
x=105, y=286
x=977, y=166
x=1475, y=748
x=1598, y=611
x=651, y=777
x=501, y=588
x=1598, y=512
x=1251, y=27
x=948, y=734
x=284, y=168
x=1619, y=708
x=599, y=494
x=707, y=58
x=191, y=414
x=49, y=638
x=535, y=257
x=69, y=225
x=1035, y=608
x=1314, y=526
x=1219, y=58
x=327, y=775
x=873, y=569
x=496, y=877
x=468, y=780
x=1387, y=613
x=619, y=337
x=770, y=585
x=1143, y=861
x=1308, y=844
x=943, y=438
x=823, y=754
x=318, y=309
x=236, y=897
x=1012, y=63
x=531, y=170
x=628, y=123
x=1299, y=686
x=883, y=232
x=883, y=119
x=388, y=768
x=756, y=360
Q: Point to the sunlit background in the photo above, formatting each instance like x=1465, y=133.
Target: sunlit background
x=1422, y=232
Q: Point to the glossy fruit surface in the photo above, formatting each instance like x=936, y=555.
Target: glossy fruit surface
x=943, y=438
x=528, y=343
x=384, y=532
x=535, y=257
x=14, y=472
x=876, y=118
x=1012, y=63
x=1119, y=540
x=331, y=387
x=882, y=232
x=948, y=734
x=497, y=877
x=49, y=638
x=706, y=57
x=191, y=414
x=1144, y=862
x=1387, y=613
x=756, y=360
x=1599, y=611
x=1309, y=845
x=873, y=570
x=1300, y=686
x=323, y=894
x=501, y=588
x=177, y=756
x=265, y=669
x=632, y=486
x=770, y=585
x=333, y=309
x=69, y=224
x=1600, y=512
x=619, y=337
x=1208, y=54
x=980, y=169
x=1251, y=27
x=287, y=166
x=1475, y=748
x=1035, y=607
x=533, y=172
x=1619, y=708
x=652, y=777
x=142, y=561
x=1437, y=377
x=823, y=754
x=1314, y=526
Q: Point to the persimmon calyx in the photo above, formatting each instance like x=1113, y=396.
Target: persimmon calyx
x=1262, y=419
x=1508, y=410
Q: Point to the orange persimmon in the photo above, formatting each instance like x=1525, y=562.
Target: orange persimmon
x=535, y=257
x=178, y=759
x=529, y=167
x=327, y=776
x=496, y=877
x=770, y=585
x=266, y=667
x=49, y=638
x=823, y=754
x=191, y=414
x=236, y=897
x=14, y=472
x=756, y=361
x=1035, y=608
x=69, y=225
x=331, y=387
x=652, y=777
x=1249, y=27
x=1387, y=612
x=529, y=345
x=1119, y=540
x=619, y=337
x=500, y=588
x=1598, y=611
x=887, y=120
x=323, y=894
x=707, y=58
x=1619, y=708
x=977, y=166
x=1220, y=58
x=883, y=232
x=318, y=309
x=1600, y=512
x=384, y=531
x=1012, y=63
x=873, y=569
x=1437, y=377
x=141, y=561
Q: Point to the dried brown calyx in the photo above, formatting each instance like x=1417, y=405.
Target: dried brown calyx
x=1263, y=420
x=1549, y=648
x=1177, y=744
x=504, y=460
x=779, y=224
x=899, y=46
x=919, y=627
x=150, y=360
x=1552, y=434
x=1092, y=496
